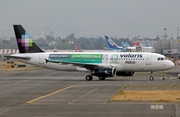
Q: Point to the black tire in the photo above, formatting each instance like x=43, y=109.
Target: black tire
x=151, y=78
x=89, y=77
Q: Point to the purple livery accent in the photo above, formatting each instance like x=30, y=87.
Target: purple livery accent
x=26, y=41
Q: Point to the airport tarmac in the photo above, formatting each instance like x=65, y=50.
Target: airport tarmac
x=49, y=93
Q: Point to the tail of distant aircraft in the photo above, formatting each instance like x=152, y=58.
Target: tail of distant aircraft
x=148, y=44
x=137, y=44
x=77, y=47
x=124, y=45
x=25, y=43
x=112, y=45
x=127, y=44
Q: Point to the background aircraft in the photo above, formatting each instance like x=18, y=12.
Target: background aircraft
x=127, y=46
x=141, y=48
x=113, y=46
x=77, y=47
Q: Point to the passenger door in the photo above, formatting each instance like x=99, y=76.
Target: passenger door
x=148, y=59
x=41, y=60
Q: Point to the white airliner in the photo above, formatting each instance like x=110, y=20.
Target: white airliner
x=101, y=64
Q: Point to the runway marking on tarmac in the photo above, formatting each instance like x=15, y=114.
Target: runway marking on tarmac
x=31, y=101
x=22, y=81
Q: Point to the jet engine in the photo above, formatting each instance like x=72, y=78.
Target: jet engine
x=104, y=72
x=125, y=73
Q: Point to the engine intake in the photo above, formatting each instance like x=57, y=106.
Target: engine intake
x=104, y=72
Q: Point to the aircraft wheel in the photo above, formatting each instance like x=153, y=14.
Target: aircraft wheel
x=102, y=78
x=151, y=78
x=89, y=77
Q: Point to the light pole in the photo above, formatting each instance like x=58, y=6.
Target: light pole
x=165, y=33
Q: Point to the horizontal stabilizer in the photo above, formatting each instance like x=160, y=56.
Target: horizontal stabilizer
x=18, y=57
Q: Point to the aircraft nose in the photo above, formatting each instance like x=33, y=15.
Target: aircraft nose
x=171, y=64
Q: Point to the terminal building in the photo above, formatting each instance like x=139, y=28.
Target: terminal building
x=166, y=47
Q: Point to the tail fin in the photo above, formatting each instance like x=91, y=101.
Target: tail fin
x=137, y=44
x=25, y=43
x=112, y=45
x=127, y=44
x=124, y=46
x=148, y=44
x=77, y=47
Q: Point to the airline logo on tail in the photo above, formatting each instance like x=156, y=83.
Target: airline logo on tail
x=110, y=42
x=26, y=41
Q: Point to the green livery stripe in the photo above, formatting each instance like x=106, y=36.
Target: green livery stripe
x=86, y=56
x=77, y=58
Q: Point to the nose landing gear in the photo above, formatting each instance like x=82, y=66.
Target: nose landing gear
x=151, y=76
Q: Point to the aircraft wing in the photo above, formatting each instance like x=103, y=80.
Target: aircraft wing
x=89, y=66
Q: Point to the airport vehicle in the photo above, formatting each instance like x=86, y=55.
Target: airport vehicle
x=100, y=64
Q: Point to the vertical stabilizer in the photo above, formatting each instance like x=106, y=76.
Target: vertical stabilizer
x=148, y=44
x=25, y=43
x=127, y=44
x=77, y=47
x=112, y=45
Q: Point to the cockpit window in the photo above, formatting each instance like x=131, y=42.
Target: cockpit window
x=160, y=59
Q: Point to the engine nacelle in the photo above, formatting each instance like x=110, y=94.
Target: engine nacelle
x=125, y=73
x=104, y=72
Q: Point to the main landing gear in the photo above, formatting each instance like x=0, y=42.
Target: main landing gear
x=90, y=77
x=151, y=77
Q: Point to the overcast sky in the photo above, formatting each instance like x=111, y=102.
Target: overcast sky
x=91, y=18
